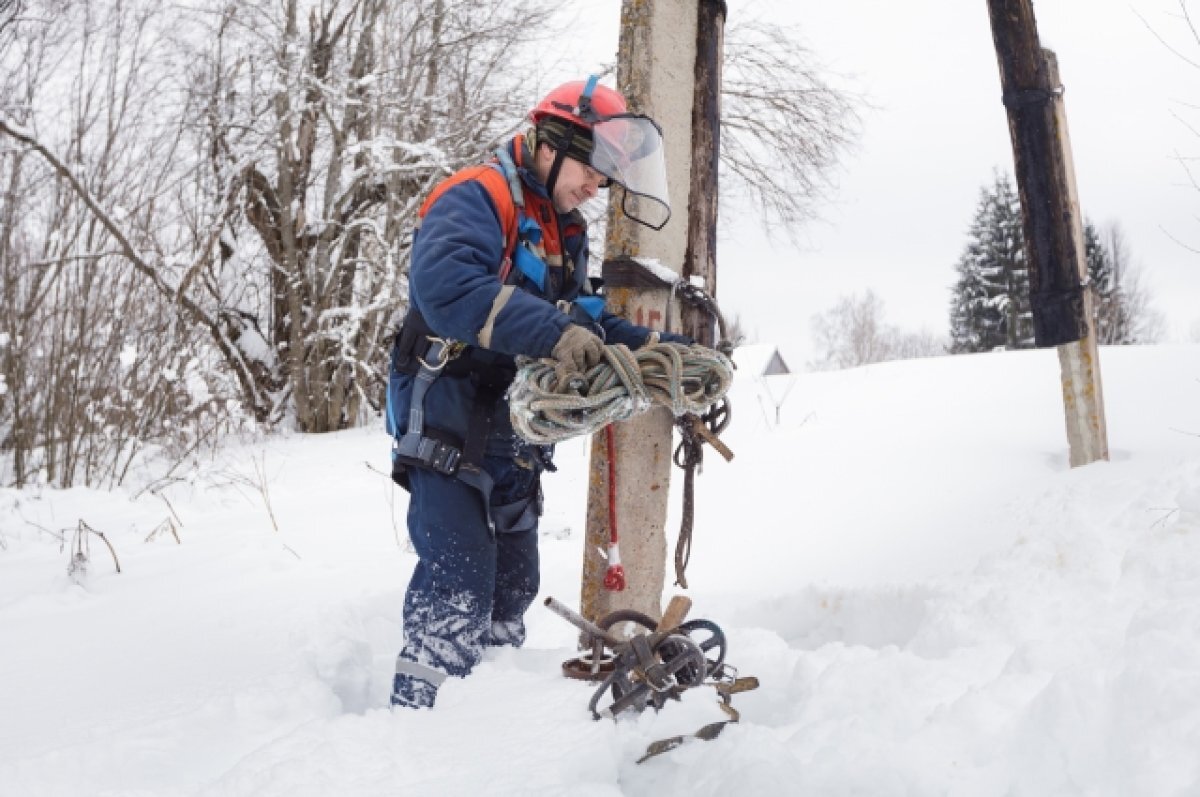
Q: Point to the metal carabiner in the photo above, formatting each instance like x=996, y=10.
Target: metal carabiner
x=443, y=355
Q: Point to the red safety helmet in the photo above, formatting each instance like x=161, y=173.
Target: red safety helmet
x=627, y=148
x=565, y=103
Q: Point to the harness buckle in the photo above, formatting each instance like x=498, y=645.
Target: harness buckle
x=437, y=455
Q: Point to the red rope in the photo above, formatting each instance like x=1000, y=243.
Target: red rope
x=614, y=577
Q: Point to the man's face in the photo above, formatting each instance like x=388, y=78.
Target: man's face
x=577, y=182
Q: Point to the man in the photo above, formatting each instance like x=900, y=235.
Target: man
x=499, y=269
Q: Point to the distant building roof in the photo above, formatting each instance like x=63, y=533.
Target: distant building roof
x=759, y=359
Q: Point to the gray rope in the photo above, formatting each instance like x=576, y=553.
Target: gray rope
x=685, y=379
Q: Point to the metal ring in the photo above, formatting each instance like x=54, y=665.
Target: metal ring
x=443, y=354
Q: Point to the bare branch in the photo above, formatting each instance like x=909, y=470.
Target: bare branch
x=1179, y=54
x=784, y=126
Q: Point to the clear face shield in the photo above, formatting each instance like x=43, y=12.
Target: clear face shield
x=628, y=149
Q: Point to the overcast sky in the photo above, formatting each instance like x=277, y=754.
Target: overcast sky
x=898, y=220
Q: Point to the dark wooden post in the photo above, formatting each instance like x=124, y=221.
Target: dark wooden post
x=1052, y=222
x=700, y=261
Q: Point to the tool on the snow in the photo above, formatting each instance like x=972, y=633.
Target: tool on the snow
x=641, y=663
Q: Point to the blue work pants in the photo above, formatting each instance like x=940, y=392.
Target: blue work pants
x=471, y=586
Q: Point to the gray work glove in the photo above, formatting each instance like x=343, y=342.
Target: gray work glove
x=576, y=351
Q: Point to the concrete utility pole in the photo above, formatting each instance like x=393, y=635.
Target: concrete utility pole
x=1061, y=299
x=657, y=67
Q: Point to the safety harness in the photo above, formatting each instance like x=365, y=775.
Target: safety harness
x=426, y=357
x=585, y=309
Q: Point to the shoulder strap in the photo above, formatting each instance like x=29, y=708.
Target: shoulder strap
x=524, y=225
x=509, y=167
x=497, y=186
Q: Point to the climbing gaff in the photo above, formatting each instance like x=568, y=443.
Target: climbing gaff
x=657, y=662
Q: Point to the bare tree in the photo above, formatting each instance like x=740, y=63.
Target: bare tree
x=1189, y=29
x=1124, y=314
x=328, y=145
x=853, y=332
x=784, y=125
x=215, y=202
x=304, y=140
x=90, y=373
x=9, y=11
x=1187, y=163
x=914, y=345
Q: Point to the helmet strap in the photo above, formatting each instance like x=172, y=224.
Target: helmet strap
x=560, y=154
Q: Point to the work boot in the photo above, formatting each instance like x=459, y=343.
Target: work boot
x=506, y=632
x=408, y=691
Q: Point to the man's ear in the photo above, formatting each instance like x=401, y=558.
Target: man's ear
x=544, y=155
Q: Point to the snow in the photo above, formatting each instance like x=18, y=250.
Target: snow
x=657, y=269
x=933, y=602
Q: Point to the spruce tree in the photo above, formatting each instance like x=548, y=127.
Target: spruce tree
x=990, y=304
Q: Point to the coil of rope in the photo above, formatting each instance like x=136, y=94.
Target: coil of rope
x=685, y=379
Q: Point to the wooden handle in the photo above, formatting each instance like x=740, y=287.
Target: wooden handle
x=676, y=612
x=710, y=438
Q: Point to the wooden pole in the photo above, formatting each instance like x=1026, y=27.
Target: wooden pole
x=1058, y=278
x=700, y=260
x=656, y=72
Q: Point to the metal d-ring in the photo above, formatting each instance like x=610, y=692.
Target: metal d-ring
x=443, y=353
